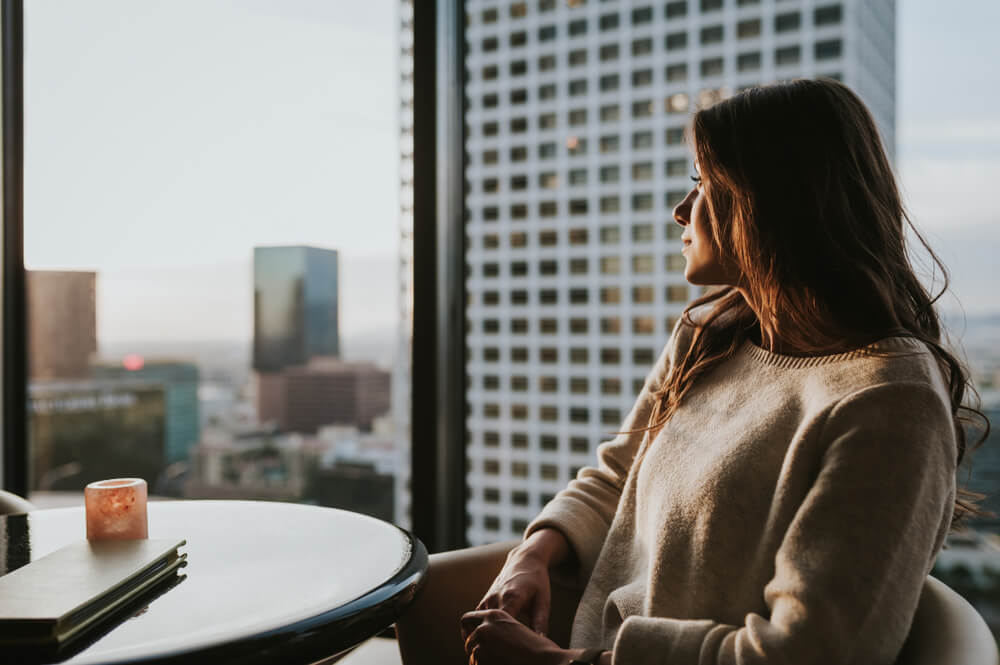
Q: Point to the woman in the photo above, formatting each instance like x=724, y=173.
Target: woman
x=786, y=478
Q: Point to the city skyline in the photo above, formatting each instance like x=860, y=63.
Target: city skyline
x=136, y=234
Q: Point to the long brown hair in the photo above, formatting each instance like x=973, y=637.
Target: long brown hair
x=803, y=201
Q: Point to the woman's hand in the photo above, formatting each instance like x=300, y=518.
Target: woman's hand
x=494, y=637
x=522, y=587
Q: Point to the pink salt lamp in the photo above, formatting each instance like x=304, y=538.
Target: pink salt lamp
x=116, y=509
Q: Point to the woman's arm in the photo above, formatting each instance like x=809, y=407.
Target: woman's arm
x=850, y=568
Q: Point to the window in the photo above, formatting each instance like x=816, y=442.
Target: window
x=490, y=72
x=579, y=296
x=547, y=91
x=746, y=62
x=547, y=209
x=642, y=202
x=579, y=385
x=748, y=28
x=578, y=177
x=643, y=325
x=642, y=171
x=642, y=15
x=642, y=78
x=677, y=72
x=676, y=40
x=519, y=96
x=518, y=68
x=609, y=82
x=519, y=354
x=548, y=238
x=578, y=87
x=610, y=295
x=518, y=39
x=610, y=265
x=711, y=67
x=712, y=34
x=609, y=144
x=788, y=55
x=545, y=121
x=642, y=232
x=675, y=196
x=578, y=117
x=578, y=236
x=490, y=101
x=518, y=182
x=578, y=27
x=491, y=128
x=490, y=16
x=518, y=239
x=642, y=294
x=519, y=10
x=608, y=21
x=519, y=153
x=609, y=113
x=491, y=186
x=491, y=494
x=490, y=44
x=491, y=522
x=787, y=22
x=546, y=6
x=579, y=415
x=546, y=33
x=519, y=326
x=677, y=293
x=610, y=356
x=711, y=5
x=610, y=235
x=674, y=231
x=642, y=140
x=548, y=326
x=641, y=47
x=643, y=356
x=576, y=146
x=677, y=103
x=519, y=125
x=674, y=135
x=519, y=383
x=676, y=167
x=825, y=50
x=676, y=9
x=518, y=211
x=675, y=263
x=519, y=498
x=642, y=264
x=519, y=269
x=611, y=325
x=828, y=15
x=609, y=52
x=548, y=268
x=546, y=63
x=548, y=442
x=578, y=207
x=577, y=57
x=609, y=174
x=491, y=214
x=548, y=354
x=578, y=326
x=579, y=355
x=609, y=204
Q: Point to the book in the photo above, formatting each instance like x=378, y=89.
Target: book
x=57, y=598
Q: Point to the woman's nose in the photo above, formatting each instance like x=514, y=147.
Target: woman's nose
x=682, y=211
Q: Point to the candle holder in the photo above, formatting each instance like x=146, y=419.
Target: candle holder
x=116, y=509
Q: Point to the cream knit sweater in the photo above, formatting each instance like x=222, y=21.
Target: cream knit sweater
x=787, y=513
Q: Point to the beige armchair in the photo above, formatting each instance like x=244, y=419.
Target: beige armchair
x=946, y=629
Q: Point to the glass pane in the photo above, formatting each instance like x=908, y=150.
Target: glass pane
x=630, y=262
x=218, y=222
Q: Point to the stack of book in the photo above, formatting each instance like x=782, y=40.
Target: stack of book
x=60, y=598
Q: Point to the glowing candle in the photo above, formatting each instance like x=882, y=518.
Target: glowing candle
x=116, y=509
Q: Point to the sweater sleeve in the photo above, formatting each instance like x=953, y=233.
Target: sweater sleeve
x=583, y=511
x=850, y=567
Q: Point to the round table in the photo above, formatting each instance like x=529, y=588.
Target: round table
x=265, y=582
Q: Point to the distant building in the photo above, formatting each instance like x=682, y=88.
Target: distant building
x=984, y=462
x=180, y=384
x=62, y=323
x=326, y=391
x=82, y=431
x=295, y=306
x=356, y=486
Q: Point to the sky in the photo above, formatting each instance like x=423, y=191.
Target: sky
x=164, y=140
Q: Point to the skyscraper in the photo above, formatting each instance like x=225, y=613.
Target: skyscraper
x=576, y=157
x=62, y=323
x=295, y=306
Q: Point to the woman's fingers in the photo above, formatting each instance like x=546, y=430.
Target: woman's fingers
x=540, y=613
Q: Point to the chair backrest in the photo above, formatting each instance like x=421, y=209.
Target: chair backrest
x=12, y=503
x=947, y=630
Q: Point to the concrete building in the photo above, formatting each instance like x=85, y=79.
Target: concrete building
x=575, y=119
x=326, y=391
x=179, y=380
x=62, y=323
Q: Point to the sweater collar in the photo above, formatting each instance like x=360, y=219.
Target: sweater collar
x=879, y=347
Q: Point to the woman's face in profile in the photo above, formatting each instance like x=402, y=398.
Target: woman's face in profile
x=704, y=261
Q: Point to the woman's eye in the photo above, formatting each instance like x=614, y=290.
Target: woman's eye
x=697, y=180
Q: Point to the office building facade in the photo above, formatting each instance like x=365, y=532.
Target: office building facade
x=295, y=306
x=576, y=158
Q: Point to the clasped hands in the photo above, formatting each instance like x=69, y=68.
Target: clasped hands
x=493, y=634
